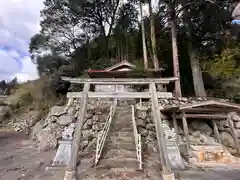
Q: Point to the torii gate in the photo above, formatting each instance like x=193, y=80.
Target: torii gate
x=152, y=94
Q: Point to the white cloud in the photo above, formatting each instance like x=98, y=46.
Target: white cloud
x=28, y=70
x=19, y=21
x=8, y=64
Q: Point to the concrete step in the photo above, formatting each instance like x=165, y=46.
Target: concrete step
x=121, y=153
x=121, y=127
x=122, y=134
x=127, y=129
x=115, y=139
x=116, y=162
x=116, y=174
x=126, y=124
x=126, y=146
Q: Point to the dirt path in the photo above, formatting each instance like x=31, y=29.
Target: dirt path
x=19, y=160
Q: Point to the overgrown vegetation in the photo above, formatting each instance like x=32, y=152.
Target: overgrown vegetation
x=34, y=95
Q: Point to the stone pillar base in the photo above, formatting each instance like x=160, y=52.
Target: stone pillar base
x=168, y=176
x=70, y=175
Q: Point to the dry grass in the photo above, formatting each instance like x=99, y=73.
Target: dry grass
x=34, y=95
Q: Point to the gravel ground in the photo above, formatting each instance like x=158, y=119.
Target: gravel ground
x=19, y=160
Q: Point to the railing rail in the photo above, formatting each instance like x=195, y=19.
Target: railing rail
x=137, y=139
x=103, y=135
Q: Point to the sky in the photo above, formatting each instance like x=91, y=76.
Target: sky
x=19, y=21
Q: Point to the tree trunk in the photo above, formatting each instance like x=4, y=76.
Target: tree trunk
x=192, y=52
x=145, y=58
x=153, y=36
x=175, y=52
x=126, y=56
x=196, y=72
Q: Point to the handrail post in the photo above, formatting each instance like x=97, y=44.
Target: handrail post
x=137, y=140
x=103, y=135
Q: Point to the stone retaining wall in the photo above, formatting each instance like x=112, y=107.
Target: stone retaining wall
x=146, y=128
x=48, y=131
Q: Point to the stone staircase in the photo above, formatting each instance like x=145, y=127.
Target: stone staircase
x=172, y=148
x=119, y=160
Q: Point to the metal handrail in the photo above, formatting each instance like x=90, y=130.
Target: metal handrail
x=137, y=139
x=103, y=135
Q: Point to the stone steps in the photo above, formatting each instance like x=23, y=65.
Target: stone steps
x=122, y=133
x=115, y=174
x=123, y=145
x=120, y=153
x=118, y=162
x=121, y=139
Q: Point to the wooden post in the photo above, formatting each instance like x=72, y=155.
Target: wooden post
x=71, y=168
x=175, y=127
x=233, y=132
x=216, y=132
x=159, y=131
x=185, y=129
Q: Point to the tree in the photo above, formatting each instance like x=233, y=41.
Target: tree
x=62, y=26
x=192, y=52
x=125, y=25
x=145, y=57
x=172, y=6
x=236, y=12
x=200, y=37
x=153, y=36
x=38, y=45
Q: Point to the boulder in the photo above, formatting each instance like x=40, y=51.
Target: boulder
x=141, y=123
x=150, y=127
x=47, y=138
x=91, y=145
x=65, y=119
x=148, y=119
x=87, y=135
x=194, y=140
x=5, y=112
x=222, y=125
x=196, y=133
x=201, y=126
x=227, y=139
x=89, y=113
x=96, y=118
x=37, y=128
x=207, y=140
x=141, y=114
x=237, y=132
x=234, y=116
x=88, y=124
x=57, y=110
x=151, y=136
x=237, y=125
x=143, y=132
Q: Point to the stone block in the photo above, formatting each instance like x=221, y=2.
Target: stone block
x=64, y=119
x=63, y=154
x=168, y=176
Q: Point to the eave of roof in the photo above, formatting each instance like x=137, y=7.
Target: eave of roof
x=210, y=103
